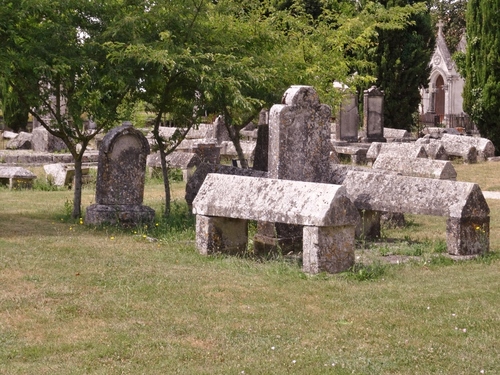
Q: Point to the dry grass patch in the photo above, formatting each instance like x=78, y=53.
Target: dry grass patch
x=81, y=300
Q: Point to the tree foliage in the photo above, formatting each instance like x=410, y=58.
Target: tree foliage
x=452, y=14
x=482, y=81
x=402, y=65
x=55, y=60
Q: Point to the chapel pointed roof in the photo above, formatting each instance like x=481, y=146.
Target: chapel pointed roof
x=442, y=47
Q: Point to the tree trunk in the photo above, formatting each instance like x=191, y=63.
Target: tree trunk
x=77, y=196
x=166, y=182
x=235, y=138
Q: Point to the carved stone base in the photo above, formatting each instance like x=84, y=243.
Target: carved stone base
x=124, y=215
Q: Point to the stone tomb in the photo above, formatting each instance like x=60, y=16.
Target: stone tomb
x=463, y=203
x=327, y=216
x=416, y=167
x=121, y=174
x=16, y=177
x=396, y=150
x=483, y=146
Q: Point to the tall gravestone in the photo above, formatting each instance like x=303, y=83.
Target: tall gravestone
x=299, y=149
x=261, y=153
x=373, y=115
x=347, y=119
x=120, y=179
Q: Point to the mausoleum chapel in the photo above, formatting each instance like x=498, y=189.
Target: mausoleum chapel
x=442, y=101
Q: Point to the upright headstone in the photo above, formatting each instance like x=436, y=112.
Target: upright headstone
x=347, y=119
x=373, y=111
x=120, y=179
x=220, y=131
x=262, y=147
x=299, y=149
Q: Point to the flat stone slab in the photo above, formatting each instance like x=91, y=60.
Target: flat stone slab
x=273, y=200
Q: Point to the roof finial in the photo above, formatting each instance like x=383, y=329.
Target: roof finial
x=440, y=26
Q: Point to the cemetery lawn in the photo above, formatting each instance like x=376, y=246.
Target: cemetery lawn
x=81, y=300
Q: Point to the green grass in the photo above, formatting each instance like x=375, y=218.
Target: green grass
x=82, y=300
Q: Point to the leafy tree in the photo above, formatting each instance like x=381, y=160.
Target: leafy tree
x=482, y=78
x=402, y=65
x=15, y=112
x=168, y=51
x=54, y=57
x=452, y=14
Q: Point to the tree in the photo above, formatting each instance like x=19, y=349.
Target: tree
x=54, y=57
x=482, y=78
x=15, y=112
x=452, y=14
x=402, y=65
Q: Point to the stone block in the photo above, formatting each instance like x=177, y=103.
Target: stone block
x=21, y=142
x=327, y=249
x=43, y=141
x=221, y=235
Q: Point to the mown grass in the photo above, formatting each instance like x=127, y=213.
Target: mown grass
x=83, y=300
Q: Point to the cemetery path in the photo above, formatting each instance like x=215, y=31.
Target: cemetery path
x=491, y=194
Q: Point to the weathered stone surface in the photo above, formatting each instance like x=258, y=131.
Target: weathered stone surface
x=57, y=174
x=461, y=202
x=299, y=136
x=396, y=150
x=327, y=249
x=229, y=151
x=484, y=146
x=15, y=177
x=416, y=167
x=299, y=149
x=220, y=131
x=357, y=152
x=221, y=235
x=7, y=134
x=373, y=115
x=435, y=150
x=63, y=174
x=21, y=142
x=176, y=159
x=225, y=203
x=127, y=215
x=202, y=131
x=208, y=152
x=120, y=179
x=396, y=135
x=460, y=146
x=274, y=200
x=43, y=141
x=197, y=179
